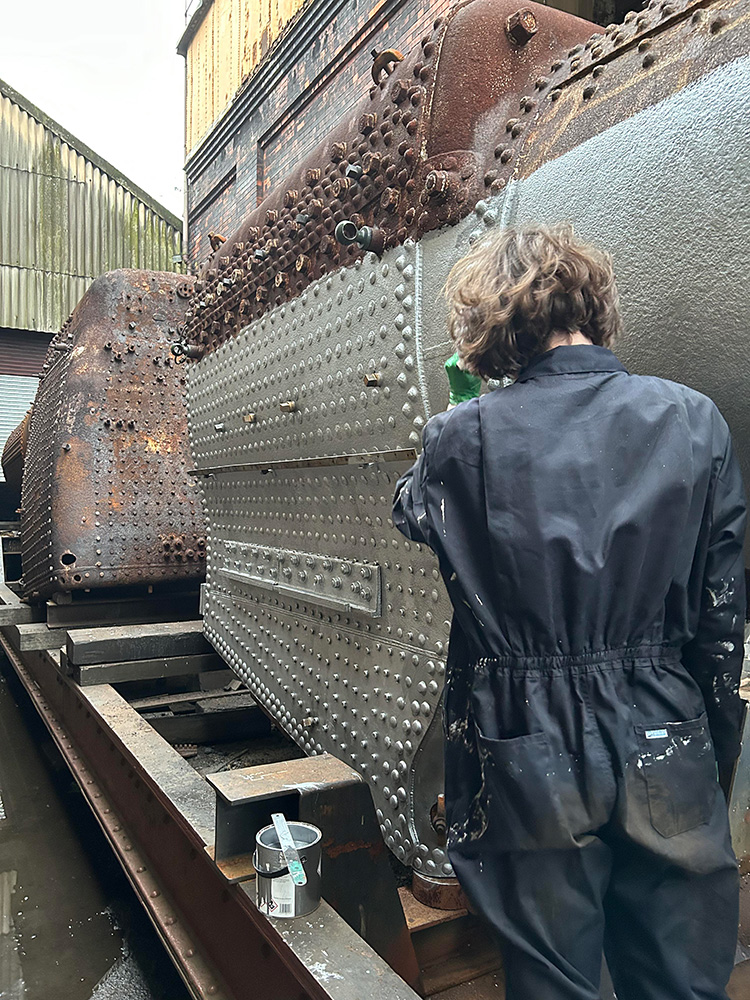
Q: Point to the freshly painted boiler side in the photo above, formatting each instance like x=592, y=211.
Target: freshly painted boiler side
x=322, y=363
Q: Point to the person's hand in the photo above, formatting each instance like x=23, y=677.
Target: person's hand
x=463, y=385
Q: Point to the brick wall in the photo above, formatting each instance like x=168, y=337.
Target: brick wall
x=314, y=74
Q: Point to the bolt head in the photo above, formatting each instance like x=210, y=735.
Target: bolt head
x=521, y=26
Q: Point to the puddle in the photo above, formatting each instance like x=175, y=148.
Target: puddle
x=70, y=926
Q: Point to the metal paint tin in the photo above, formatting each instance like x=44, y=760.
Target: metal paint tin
x=275, y=892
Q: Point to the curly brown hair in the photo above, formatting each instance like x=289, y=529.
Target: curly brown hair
x=517, y=287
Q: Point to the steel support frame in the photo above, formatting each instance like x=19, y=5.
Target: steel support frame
x=219, y=942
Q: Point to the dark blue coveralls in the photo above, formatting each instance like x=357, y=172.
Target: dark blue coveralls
x=589, y=527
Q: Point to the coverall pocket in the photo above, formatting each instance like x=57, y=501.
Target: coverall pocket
x=678, y=765
x=520, y=798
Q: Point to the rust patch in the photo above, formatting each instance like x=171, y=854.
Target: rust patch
x=409, y=159
x=105, y=479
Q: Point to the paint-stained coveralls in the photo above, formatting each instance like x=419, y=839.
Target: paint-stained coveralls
x=589, y=528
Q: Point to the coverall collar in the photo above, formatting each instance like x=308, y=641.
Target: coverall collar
x=572, y=360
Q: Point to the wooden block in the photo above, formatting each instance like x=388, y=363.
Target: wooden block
x=104, y=612
x=36, y=636
x=136, y=642
x=20, y=614
x=145, y=670
x=13, y=611
x=167, y=700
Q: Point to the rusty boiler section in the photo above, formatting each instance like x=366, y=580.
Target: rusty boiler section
x=106, y=499
x=14, y=455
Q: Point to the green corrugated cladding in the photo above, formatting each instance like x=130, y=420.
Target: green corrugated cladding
x=66, y=216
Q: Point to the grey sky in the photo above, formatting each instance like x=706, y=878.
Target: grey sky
x=109, y=73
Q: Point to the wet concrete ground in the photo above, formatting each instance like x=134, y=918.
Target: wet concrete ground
x=71, y=927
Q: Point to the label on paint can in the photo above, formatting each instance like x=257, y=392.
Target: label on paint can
x=282, y=897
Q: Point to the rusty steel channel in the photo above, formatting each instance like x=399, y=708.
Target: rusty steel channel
x=158, y=815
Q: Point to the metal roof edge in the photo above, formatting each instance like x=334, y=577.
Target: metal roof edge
x=192, y=27
x=104, y=165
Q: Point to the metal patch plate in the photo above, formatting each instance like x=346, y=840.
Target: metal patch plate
x=334, y=372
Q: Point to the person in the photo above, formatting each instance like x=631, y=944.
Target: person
x=589, y=527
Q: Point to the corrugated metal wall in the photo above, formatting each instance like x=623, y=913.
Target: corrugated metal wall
x=66, y=216
x=22, y=353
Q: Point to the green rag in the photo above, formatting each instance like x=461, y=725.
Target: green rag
x=463, y=385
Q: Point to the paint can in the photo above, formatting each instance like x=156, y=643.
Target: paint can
x=275, y=892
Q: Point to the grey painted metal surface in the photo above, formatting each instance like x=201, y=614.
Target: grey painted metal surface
x=338, y=625
x=660, y=190
x=66, y=216
x=664, y=193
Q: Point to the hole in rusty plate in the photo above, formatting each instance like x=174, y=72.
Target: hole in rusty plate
x=77, y=578
x=67, y=558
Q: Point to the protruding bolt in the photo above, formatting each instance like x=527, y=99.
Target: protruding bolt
x=290, y=197
x=186, y=351
x=288, y=406
x=260, y=254
x=280, y=280
x=521, y=26
x=337, y=151
x=339, y=186
x=399, y=91
x=312, y=176
x=389, y=199
x=372, y=380
x=219, y=427
x=437, y=184
x=303, y=264
x=367, y=122
x=437, y=816
x=371, y=163
x=353, y=171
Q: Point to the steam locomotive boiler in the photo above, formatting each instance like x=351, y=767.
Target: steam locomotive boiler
x=106, y=499
x=319, y=338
